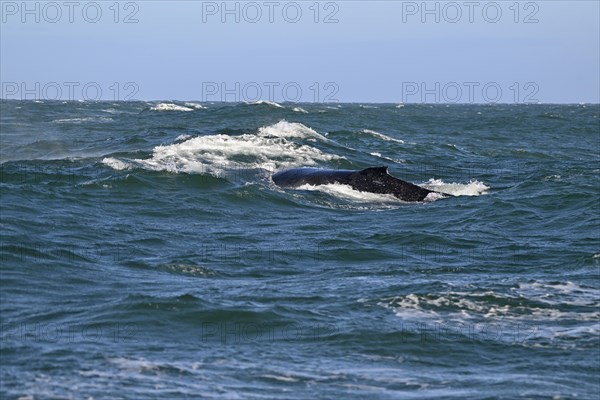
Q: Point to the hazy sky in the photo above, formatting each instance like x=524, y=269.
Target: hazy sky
x=351, y=51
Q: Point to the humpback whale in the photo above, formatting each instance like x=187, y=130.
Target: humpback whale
x=373, y=180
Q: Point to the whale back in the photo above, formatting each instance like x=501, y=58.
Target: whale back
x=311, y=176
x=372, y=179
x=378, y=180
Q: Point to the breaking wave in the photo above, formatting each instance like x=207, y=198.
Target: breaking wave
x=269, y=149
x=170, y=107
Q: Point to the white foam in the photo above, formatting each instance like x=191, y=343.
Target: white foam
x=560, y=293
x=473, y=188
x=115, y=164
x=281, y=378
x=552, y=178
x=477, y=305
x=197, y=106
x=382, y=136
x=80, y=120
x=400, y=105
x=170, y=107
x=267, y=102
x=434, y=196
x=398, y=161
x=300, y=109
x=348, y=193
x=215, y=154
x=284, y=129
x=468, y=308
x=182, y=138
x=133, y=364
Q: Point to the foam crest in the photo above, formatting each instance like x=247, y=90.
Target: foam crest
x=81, y=120
x=197, y=106
x=394, y=160
x=170, y=107
x=300, y=109
x=140, y=365
x=285, y=129
x=346, y=192
x=473, y=188
x=554, y=293
x=216, y=154
x=183, y=138
x=112, y=111
x=266, y=102
x=382, y=136
x=115, y=164
x=488, y=304
x=434, y=196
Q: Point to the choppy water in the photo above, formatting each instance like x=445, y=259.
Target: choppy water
x=146, y=253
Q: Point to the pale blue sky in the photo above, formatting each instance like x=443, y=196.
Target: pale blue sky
x=378, y=51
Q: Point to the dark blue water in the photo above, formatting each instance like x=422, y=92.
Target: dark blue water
x=146, y=253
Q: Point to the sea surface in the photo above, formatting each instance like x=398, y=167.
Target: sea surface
x=146, y=253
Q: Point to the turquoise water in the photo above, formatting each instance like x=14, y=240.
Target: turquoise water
x=146, y=253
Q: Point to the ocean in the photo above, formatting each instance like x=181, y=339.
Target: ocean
x=146, y=253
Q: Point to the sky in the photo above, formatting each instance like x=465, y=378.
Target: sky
x=309, y=51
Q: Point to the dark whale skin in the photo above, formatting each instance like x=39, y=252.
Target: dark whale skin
x=372, y=180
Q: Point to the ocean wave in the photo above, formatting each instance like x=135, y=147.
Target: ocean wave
x=170, y=107
x=217, y=155
x=112, y=111
x=542, y=321
x=554, y=293
x=139, y=365
x=284, y=129
x=381, y=136
x=183, y=138
x=394, y=160
x=300, y=110
x=81, y=120
x=266, y=102
x=197, y=106
x=188, y=269
x=116, y=164
x=473, y=188
x=483, y=304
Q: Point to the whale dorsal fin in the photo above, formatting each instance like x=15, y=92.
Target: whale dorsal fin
x=375, y=171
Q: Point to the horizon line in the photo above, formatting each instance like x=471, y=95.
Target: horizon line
x=258, y=102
